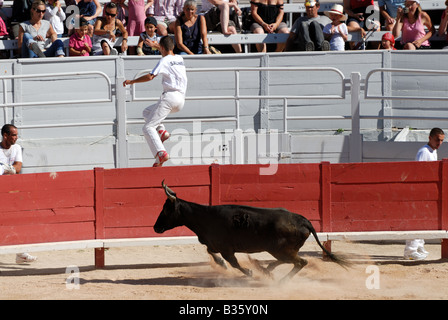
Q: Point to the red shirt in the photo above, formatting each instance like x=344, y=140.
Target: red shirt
x=77, y=43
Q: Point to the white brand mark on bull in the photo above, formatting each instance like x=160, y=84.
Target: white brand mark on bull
x=196, y=310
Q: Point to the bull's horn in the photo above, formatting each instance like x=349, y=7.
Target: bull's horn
x=169, y=193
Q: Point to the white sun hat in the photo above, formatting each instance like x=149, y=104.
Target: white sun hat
x=337, y=9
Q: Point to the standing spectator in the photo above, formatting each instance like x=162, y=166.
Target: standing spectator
x=444, y=23
x=166, y=13
x=11, y=163
x=306, y=33
x=34, y=33
x=80, y=43
x=336, y=31
x=136, y=18
x=221, y=15
x=56, y=16
x=388, y=10
x=411, y=23
x=415, y=249
x=191, y=31
x=107, y=29
x=268, y=17
x=358, y=11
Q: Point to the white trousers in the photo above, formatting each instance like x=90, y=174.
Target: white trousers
x=413, y=245
x=169, y=102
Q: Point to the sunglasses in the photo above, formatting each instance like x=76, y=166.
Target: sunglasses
x=39, y=11
x=111, y=14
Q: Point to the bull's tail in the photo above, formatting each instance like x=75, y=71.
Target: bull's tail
x=342, y=261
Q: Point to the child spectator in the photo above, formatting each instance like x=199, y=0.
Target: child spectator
x=336, y=31
x=56, y=16
x=388, y=41
x=148, y=44
x=80, y=43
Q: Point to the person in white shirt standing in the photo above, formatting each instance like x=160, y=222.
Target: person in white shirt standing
x=174, y=82
x=11, y=163
x=415, y=249
x=56, y=16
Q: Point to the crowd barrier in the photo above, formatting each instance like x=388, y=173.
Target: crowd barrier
x=118, y=207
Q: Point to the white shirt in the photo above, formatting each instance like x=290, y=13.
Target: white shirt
x=337, y=43
x=56, y=17
x=11, y=155
x=174, y=75
x=426, y=153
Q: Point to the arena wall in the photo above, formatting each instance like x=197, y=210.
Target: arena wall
x=125, y=203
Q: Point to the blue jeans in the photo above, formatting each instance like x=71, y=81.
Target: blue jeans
x=56, y=48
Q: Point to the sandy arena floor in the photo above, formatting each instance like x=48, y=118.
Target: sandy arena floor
x=186, y=272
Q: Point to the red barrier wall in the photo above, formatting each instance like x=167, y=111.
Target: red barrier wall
x=125, y=203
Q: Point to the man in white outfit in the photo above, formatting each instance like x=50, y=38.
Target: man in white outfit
x=11, y=163
x=174, y=83
x=415, y=249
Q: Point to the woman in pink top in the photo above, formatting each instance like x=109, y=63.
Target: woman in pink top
x=136, y=16
x=411, y=22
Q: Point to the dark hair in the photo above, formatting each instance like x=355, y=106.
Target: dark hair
x=436, y=131
x=7, y=129
x=151, y=20
x=83, y=22
x=167, y=43
x=110, y=5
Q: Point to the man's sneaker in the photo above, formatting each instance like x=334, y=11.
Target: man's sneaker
x=25, y=258
x=161, y=157
x=325, y=46
x=414, y=256
x=164, y=135
x=309, y=46
x=37, y=50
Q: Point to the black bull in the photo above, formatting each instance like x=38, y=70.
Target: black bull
x=227, y=229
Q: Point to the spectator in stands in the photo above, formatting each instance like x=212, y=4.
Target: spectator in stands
x=56, y=16
x=4, y=34
x=34, y=33
x=121, y=11
x=166, y=13
x=191, y=31
x=21, y=11
x=148, y=43
x=388, y=41
x=267, y=16
x=11, y=163
x=306, y=33
x=91, y=18
x=358, y=12
x=137, y=15
x=444, y=23
x=415, y=249
x=388, y=10
x=222, y=16
x=411, y=23
x=80, y=43
x=336, y=31
x=106, y=31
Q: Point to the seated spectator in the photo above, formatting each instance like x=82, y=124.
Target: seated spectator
x=222, y=16
x=121, y=11
x=268, y=17
x=306, y=33
x=21, y=11
x=166, y=13
x=190, y=31
x=34, y=33
x=88, y=9
x=388, y=10
x=80, y=43
x=358, y=11
x=336, y=31
x=56, y=16
x=444, y=23
x=106, y=31
x=411, y=24
x=388, y=41
x=148, y=43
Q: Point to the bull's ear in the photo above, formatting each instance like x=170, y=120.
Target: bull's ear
x=169, y=193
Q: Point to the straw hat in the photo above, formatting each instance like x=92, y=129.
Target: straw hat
x=337, y=9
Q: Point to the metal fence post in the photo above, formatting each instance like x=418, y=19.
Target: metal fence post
x=122, y=159
x=355, y=137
